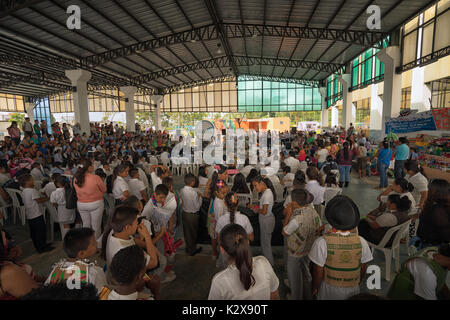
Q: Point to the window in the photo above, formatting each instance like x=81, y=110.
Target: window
x=406, y=99
x=274, y=96
x=362, y=113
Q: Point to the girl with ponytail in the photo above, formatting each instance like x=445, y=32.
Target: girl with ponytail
x=255, y=279
x=220, y=173
x=265, y=215
x=232, y=217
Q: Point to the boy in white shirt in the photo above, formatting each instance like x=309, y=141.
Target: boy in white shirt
x=79, y=245
x=337, y=273
x=128, y=276
x=123, y=226
x=31, y=200
x=192, y=203
x=288, y=178
x=137, y=187
x=51, y=186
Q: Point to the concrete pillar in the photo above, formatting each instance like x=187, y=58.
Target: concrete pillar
x=79, y=79
x=347, y=105
x=129, y=92
x=376, y=111
x=420, y=93
x=390, y=56
x=29, y=108
x=157, y=100
x=334, y=116
x=324, y=113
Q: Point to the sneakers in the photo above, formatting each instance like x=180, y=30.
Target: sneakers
x=170, y=276
x=286, y=283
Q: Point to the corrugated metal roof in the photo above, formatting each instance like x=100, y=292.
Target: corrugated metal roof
x=116, y=24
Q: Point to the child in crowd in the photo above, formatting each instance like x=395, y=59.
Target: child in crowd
x=65, y=217
x=120, y=189
x=202, y=177
x=315, y=186
x=265, y=216
x=137, y=187
x=57, y=168
x=288, y=178
x=79, y=245
x=191, y=203
x=232, y=216
x=158, y=173
x=34, y=215
x=246, y=278
x=50, y=186
x=119, y=234
x=36, y=172
x=127, y=276
x=301, y=228
x=335, y=278
x=218, y=206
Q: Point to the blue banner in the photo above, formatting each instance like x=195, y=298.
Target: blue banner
x=415, y=122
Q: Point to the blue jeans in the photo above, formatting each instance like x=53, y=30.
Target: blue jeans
x=344, y=173
x=382, y=169
x=398, y=168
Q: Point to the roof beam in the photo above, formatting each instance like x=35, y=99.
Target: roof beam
x=9, y=6
x=220, y=32
x=225, y=61
x=236, y=30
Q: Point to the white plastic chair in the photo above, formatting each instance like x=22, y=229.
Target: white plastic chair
x=4, y=207
x=394, y=250
x=244, y=198
x=17, y=208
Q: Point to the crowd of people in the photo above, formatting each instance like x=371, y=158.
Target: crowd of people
x=113, y=192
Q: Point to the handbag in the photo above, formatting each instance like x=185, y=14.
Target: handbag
x=71, y=197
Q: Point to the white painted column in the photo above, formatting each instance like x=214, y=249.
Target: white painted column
x=324, y=113
x=29, y=108
x=390, y=56
x=347, y=105
x=129, y=92
x=157, y=100
x=376, y=111
x=79, y=79
x=334, y=116
x=420, y=93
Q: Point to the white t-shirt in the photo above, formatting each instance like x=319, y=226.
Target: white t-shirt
x=37, y=174
x=96, y=276
x=155, y=180
x=136, y=186
x=420, y=184
x=316, y=190
x=239, y=219
x=226, y=284
x=318, y=255
x=219, y=208
x=323, y=154
x=32, y=209
x=113, y=245
x=202, y=181
x=120, y=186
x=425, y=281
x=48, y=189
x=64, y=215
x=267, y=198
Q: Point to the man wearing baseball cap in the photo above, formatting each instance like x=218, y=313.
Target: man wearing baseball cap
x=340, y=256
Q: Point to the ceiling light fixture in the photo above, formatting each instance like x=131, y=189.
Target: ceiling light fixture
x=219, y=50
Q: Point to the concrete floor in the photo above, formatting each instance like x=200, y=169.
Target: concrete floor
x=194, y=274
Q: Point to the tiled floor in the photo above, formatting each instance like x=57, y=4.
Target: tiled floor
x=194, y=274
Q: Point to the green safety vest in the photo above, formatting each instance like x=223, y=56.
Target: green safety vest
x=402, y=287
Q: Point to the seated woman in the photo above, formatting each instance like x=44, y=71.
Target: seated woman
x=434, y=226
x=401, y=187
x=374, y=226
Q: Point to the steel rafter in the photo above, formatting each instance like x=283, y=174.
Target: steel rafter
x=197, y=83
x=225, y=61
x=220, y=32
x=282, y=38
x=9, y=6
x=311, y=83
x=236, y=30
